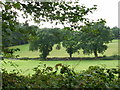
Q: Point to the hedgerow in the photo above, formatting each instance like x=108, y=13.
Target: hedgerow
x=61, y=76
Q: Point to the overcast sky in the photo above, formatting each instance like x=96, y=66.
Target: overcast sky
x=106, y=9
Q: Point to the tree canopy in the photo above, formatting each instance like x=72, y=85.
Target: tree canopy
x=71, y=41
x=70, y=14
x=95, y=37
x=44, y=41
x=116, y=32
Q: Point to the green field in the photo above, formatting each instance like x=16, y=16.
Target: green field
x=27, y=65
x=112, y=50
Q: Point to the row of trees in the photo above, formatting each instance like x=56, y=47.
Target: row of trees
x=60, y=12
x=18, y=37
x=65, y=13
x=91, y=38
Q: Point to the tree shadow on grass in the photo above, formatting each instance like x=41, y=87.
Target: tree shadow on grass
x=113, y=57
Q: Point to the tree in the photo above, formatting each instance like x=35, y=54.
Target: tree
x=44, y=41
x=95, y=37
x=69, y=14
x=11, y=33
x=70, y=42
x=16, y=37
x=116, y=32
x=65, y=13
x=59, y=12
x=9, y=22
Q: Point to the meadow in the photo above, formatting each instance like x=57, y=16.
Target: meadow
x=112, y=50
x=27, y=65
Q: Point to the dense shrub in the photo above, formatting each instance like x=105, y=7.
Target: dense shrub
x=99, y=77
x=61, y=76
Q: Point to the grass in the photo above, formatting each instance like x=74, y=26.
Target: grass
x=112, y=50
x=27, y=65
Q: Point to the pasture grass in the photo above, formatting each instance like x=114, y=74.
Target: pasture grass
x=27, y=65
x=24, y=51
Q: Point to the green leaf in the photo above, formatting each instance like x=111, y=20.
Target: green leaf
x=17, y=5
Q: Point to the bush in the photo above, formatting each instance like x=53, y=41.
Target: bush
x=61, y=76
x=99, y=77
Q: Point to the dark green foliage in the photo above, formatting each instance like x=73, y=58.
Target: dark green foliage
x=9, y=23
x=113, y=57
x=17, y=37
x=99, y=77
x=116, y=32
x=12, y=80
x=70, y=41
x=44, y=40
x=9, y=52
x=13, y=33
x=59, y=12
x=94, y=37
x=61, y=76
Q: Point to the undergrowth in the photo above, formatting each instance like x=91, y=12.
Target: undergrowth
x=62, y=76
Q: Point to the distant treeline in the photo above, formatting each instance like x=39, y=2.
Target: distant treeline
x=20, y=37
x=91, y=39
x=116, y=32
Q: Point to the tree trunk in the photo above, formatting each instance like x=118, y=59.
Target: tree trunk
x=70, y=55
x=95, y=53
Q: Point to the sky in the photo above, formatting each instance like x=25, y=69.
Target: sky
x=106, y=9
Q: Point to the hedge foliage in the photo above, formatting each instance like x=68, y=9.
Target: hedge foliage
x=61, y=76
